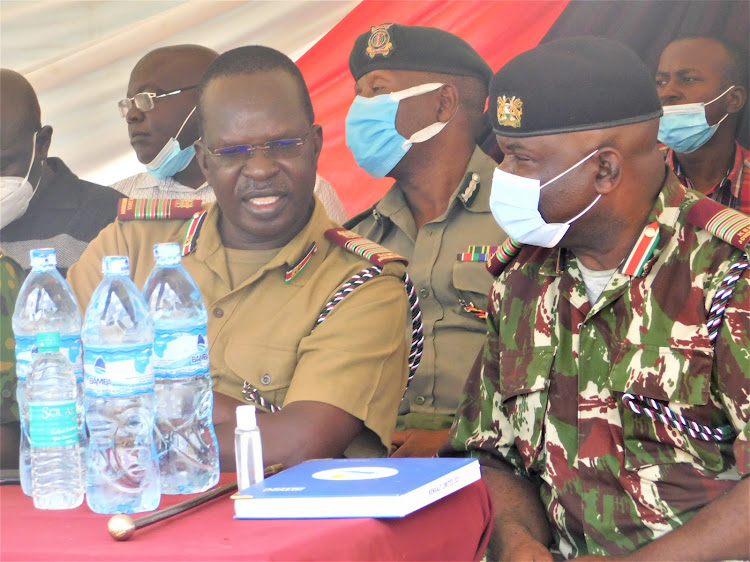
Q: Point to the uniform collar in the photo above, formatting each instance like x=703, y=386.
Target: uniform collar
x=473, y=193
x=210, y=249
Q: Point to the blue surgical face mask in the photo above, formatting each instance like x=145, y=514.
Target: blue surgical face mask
x=371, y=132
x=171, y=159
x=514, y=202
x=684, y=128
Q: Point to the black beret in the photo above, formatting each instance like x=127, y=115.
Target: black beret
x=392, y=46
x=572, y=84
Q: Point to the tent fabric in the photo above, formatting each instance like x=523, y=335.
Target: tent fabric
x=78, y=55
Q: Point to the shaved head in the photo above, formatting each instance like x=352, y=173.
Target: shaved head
x=197, y=56
x=20, y=115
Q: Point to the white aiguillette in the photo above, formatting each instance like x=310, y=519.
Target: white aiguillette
x=333, y=488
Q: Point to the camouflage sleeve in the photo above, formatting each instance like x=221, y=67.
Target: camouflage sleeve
x=481, y=428
x=732, y=368
x=11, y=277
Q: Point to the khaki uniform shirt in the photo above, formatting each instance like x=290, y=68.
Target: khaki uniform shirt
x=453, y=336
x=260, y=332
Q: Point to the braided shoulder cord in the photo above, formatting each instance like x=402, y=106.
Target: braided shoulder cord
x=726, y=289
x=656, y=410
x=251, y=394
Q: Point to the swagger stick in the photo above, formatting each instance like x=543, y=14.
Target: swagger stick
x=121, y=527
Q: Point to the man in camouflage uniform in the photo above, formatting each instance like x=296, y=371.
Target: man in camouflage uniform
x=606, y=387
x=11, y=277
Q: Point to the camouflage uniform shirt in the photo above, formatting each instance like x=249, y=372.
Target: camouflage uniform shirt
x=547, y=396
x=11, y=277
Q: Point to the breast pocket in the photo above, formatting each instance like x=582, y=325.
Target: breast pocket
x=664, y=400
x=265, y=367
x=472, y=282
x=524, y=386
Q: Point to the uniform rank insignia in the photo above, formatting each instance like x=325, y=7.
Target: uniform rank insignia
x=372, y=252
x=509, y=111
x=379, y=42
x=731, y=226
x=192, y=231
x=297, y=268
x=500, y=258
x=157, y=209
x=477, y=253
x=642, y=251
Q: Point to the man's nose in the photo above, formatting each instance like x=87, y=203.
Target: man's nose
x=669, y=94
x=134, y=115
x=258, y=165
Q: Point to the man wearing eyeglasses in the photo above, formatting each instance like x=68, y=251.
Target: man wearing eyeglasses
x=159, y=110
x=43, y=203
x=272, y=270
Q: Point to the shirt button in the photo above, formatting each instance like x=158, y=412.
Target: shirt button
x=424, y=292
x=6, y=393
x=218, y=312
x=419, y=400
x=265, y=379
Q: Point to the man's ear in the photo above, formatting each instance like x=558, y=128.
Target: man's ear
x=201, y=155
x=736, y=99
x=449, y=101
x=43, y=140
x=316, y=137
x=609, y=173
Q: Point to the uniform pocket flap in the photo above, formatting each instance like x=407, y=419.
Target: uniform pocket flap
x=525, y=371
x=668, y=374
x=472, y=277
x=264, y=366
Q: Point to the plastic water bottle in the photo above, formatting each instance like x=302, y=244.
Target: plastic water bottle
x=122, y=473
x=185, y=439
x=45, y=304
x=248, y=450
x=55, y=417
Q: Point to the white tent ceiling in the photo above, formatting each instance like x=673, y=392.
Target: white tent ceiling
x=78, y=56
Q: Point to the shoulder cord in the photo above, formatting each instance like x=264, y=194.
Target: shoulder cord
x=656, y=410
x=252, y=394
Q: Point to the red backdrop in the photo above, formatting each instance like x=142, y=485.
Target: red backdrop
x=497, y=30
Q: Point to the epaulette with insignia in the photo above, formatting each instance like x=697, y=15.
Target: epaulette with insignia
x=502, y=257
x=157, y=209
x=731, y=226
x=372, y=252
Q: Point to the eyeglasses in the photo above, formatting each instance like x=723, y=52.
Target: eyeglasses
x=144, y=101
x=281, y=149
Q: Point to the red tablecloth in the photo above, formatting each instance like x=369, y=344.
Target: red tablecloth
x=454, y=528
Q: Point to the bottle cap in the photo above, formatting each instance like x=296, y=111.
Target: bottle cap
x=43, y=258
x=246, y=417
x=48, y=341
x=167, y=254
x=116, y=265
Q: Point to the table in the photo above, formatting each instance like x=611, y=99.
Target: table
x=454, y=528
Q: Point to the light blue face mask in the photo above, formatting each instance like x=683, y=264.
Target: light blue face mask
x=514, y=202
x=684, y=128
x=171, y=159
x=371, y=132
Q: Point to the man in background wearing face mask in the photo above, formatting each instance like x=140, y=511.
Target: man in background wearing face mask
x=613, y=382
x=430, y=87
x=162, y=125
x=702, y=84
x=43, y=203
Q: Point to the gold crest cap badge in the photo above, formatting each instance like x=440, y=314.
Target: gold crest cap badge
x=509, y=111
x=379, y=42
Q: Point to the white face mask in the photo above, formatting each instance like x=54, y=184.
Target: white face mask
x=16, y=193
x=171, y=159
x=514, y=202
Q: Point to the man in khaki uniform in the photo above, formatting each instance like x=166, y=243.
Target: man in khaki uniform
x=266, y=265
x=430, y=87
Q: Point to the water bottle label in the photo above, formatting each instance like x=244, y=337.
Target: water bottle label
x=117, y=373
x=26, y=350
x=180, y=353
x=53, y=424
